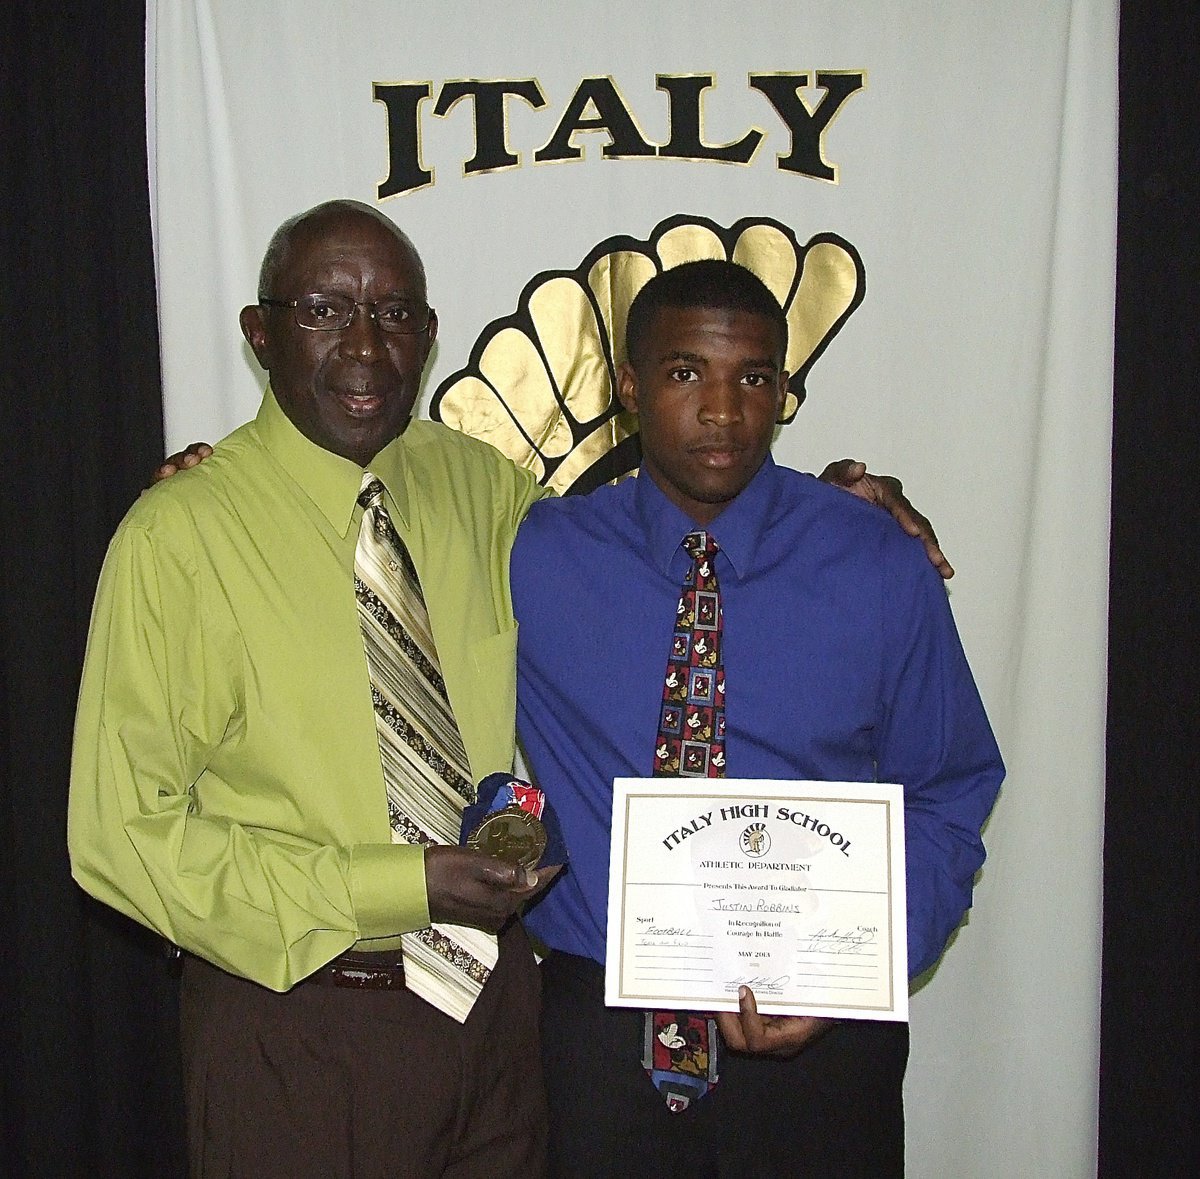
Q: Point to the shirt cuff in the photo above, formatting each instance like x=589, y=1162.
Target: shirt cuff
x=387, y=889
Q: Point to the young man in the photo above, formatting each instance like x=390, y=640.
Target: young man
x=840, y=661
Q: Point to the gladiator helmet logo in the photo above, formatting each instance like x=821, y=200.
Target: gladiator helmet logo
x=755, y=841
x=540, y=385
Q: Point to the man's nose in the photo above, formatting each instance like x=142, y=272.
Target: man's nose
x=362, y=337
x=721, y=402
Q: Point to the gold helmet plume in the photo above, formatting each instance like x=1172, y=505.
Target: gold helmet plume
x=540, y=384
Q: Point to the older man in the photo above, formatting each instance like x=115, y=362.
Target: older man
x=301, y=658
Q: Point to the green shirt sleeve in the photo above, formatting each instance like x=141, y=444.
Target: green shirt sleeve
x=159, y=697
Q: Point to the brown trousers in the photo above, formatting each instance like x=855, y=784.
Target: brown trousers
x=327, y=1081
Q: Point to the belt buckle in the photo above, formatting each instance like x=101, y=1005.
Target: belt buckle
x=365, y=976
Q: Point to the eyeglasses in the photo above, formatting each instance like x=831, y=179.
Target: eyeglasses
x=331, y=313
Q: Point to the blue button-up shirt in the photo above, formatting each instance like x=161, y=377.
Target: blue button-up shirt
x=842, y=663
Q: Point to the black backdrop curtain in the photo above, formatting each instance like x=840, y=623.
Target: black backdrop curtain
x=90, y=1083
x=88, y=1071
x=1149, y=1095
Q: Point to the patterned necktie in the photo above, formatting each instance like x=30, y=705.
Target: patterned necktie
x=425, y=765
x=691, y=727
x=679, y=1048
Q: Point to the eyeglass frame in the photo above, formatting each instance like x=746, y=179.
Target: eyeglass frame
x=370, y=304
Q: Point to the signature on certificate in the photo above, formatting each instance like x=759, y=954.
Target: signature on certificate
x=760, y=984
x=837, y=941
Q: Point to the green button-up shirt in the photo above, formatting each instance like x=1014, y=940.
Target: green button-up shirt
x=226, y=787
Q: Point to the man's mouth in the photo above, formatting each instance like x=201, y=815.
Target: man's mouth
x=360, y=405
x=717, y=456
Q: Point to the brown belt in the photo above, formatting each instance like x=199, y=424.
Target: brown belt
x=364, y=972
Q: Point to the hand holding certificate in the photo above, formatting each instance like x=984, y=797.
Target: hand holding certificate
x=794, y=889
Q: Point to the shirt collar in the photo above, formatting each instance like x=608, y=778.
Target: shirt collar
x=330, y=481
x=737, y=530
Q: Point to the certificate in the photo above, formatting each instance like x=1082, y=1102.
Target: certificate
x=794, y=889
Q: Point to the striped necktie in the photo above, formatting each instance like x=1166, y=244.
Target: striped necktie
x=425, y=765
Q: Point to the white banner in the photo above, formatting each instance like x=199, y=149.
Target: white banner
x=961, y=156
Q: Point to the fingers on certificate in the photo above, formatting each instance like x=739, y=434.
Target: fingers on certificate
x=781, y=1036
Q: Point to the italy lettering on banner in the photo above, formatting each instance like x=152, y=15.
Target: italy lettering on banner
x=598, y=105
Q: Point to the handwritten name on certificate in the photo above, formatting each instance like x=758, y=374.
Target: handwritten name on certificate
x=794, y=889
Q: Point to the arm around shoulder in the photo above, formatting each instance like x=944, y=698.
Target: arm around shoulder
x=523, y=492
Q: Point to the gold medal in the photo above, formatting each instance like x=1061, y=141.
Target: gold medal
x=512, y=835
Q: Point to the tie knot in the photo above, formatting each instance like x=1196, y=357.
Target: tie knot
x=699, y=544
x=371, y=492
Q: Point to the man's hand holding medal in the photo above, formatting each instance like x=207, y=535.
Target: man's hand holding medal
x=512, y=821
x=510, y=848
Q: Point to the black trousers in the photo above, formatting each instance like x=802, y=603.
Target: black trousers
x=325, y=1081
x=834, y=1111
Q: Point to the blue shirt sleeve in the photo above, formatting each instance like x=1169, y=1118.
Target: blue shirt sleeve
x=935, y=740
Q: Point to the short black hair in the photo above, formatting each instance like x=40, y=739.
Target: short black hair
x=710, y=283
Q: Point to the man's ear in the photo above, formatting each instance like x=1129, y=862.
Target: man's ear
x=627, y=388
x=255, y=330
x=781, y=397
